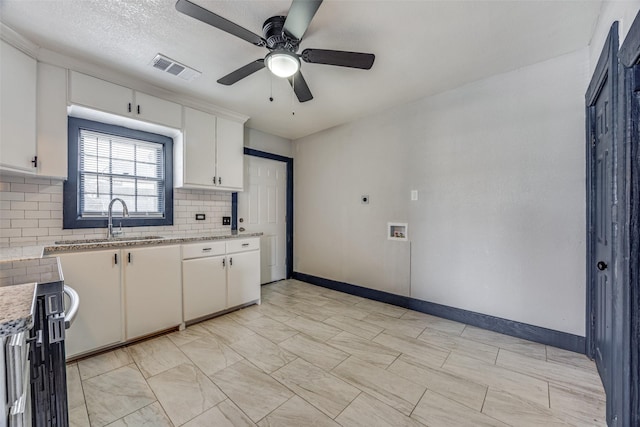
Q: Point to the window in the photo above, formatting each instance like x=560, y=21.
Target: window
x=108, y=161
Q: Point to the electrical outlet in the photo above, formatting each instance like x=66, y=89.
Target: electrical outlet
x=200, y=217
x=226, y=220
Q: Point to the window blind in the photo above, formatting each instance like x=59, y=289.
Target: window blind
x=115, y=166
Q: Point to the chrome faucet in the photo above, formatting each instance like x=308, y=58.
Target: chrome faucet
x=125, y=213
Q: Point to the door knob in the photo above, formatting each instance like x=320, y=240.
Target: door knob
x=601, y=265
x=241, y=220
x=241, y=229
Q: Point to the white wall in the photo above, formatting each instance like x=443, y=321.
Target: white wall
x=266, y=142
x=623, y=11
x=500, y=221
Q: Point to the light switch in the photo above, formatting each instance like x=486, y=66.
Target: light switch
x=414, y=195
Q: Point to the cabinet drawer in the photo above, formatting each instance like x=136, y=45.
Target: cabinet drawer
x=199, y=250
x=241, y=245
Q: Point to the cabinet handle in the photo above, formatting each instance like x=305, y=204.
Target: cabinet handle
x=214, y=180
x=206, y=249
x=138, y=108
x=244, y=245
x=230, y=261
x=129, y=108
x=35, y=161
x=129, y=257
x=224, y=264
x=115, y=258
x=219, y=180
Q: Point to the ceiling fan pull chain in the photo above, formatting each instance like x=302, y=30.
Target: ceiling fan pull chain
x=293, y=85
x=270, y=87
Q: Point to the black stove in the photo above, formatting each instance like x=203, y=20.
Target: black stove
x=46, y=351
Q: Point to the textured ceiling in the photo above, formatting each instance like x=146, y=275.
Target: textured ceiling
x=421, y=47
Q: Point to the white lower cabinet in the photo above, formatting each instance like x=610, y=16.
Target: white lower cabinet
x=147, y=280
x=129, y=293
x=152, y=289
x=204, y=279
x=96, y=278
x=218, y=275
x=243, y=277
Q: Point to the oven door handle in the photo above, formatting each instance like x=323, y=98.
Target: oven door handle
x=74, y=303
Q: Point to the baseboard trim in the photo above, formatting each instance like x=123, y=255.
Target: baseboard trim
x=525, y=331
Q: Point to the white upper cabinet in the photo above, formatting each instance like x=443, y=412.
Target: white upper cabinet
x=211, y=155
x=199, y=151
x=51, y=116
x=17, y=110
x=100, y=94
x=112, y=98
x=230, y=154
x=152, y=109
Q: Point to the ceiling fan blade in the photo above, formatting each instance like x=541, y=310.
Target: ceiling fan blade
x=242, y=72
x=299, y=17
x=208, y=17
x=340, y=58
x=300, y=87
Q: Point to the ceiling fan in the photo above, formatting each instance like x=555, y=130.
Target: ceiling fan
x=282, y=37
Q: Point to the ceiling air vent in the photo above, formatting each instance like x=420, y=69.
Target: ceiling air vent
x=170, y=66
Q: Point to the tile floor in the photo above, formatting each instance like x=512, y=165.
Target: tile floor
x=310, y=356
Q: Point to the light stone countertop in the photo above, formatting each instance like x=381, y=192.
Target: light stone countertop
x=16, y=308
x=16, y=301
x=34, y=252
x=93, y=244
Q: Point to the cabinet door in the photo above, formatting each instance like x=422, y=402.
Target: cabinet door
x=153, y=290
x=204, y=286
x=100, y=94
x=152, y=109
x=230, y=154
x=17, y=109
x=52, y=121
x=96, y=278
x=199, y=148
x=243, y=277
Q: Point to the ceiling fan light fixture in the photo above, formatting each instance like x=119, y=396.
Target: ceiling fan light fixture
x=283, y=63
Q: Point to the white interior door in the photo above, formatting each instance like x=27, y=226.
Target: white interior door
x=262, y=208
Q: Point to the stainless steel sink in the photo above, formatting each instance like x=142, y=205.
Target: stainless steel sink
x=105, y=240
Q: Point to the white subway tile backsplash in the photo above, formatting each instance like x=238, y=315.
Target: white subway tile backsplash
x=25, y=206
x=37, y=197
x=49, y=206
x=11, y=178
x=31, y=213
x=24, y=223
x=24, y=188
x=10, y=195
x=37, y=214
x=38, y=181
x=12, y=214
x=31, y=232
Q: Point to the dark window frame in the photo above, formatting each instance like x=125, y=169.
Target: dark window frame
x=72, y=218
